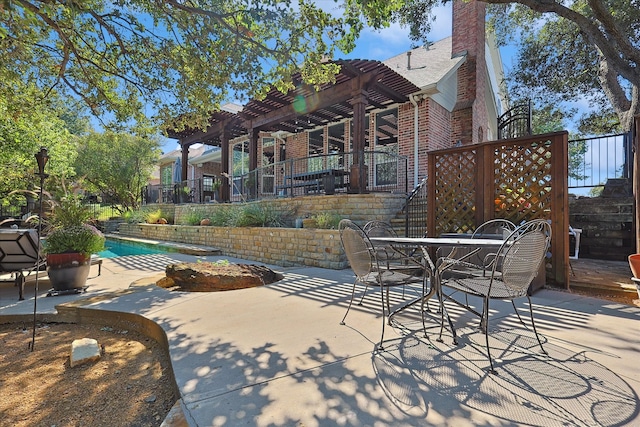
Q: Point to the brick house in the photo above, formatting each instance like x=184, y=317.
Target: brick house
x=431, y=97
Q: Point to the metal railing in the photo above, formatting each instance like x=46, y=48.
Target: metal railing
x=103, y=211
x=321, y=174
x=12, y=211
x=592, y=161
x=314, y=175
x=188, y=191
x=415, y=211
x=516, y=122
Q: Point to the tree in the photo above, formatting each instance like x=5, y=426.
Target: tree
x=576, y=50
x=25, y=126
x=117, y=166
x=549, y=119
x=174, y=58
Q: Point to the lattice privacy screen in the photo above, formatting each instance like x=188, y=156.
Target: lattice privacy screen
x=519, y=180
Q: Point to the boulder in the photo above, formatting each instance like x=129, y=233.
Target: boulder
x=84, y=350
x=213, y=277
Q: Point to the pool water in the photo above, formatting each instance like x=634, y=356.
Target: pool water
x=118, y=248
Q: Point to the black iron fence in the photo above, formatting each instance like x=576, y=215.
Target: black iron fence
x=516, y=122
x=323, y=174
x=592, y=161
x=103, y=212
x=12, y=211
x=188, y=191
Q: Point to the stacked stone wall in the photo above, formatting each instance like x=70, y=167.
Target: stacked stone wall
x=277, y=245
x=271, y=245
x=357, y=207
x=607, y=226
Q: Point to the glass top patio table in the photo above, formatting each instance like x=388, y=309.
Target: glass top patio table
x=424, y=243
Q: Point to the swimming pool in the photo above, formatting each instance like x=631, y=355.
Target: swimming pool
x=118, y=248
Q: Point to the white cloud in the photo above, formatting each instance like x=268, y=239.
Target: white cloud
x=388, y=42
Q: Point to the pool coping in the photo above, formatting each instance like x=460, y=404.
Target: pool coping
x=183, y=248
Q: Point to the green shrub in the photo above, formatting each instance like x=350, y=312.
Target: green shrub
x=69, y=212
x=327, y=220
x=261, y=215
x=193, y=217
x=135, y=217
x=222, y=217
x=82, y=238
x=152, y=217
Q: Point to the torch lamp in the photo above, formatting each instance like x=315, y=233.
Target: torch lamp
x=42, y=157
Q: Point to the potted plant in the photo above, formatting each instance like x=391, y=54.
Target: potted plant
x=69, y=244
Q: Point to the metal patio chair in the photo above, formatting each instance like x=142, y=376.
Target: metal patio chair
x=478, y=260
x=363, y=259
x=390, y=257
x=515, y=265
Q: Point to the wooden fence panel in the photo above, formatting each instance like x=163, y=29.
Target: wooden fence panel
x=519, y=179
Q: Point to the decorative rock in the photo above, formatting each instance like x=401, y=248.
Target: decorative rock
x=83, y=351
x=211, y=277
x=205, y=221
x=162, y=221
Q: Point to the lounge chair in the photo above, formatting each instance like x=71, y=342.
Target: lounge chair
x=19, y=253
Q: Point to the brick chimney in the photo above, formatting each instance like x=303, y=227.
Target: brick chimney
x=469, y=116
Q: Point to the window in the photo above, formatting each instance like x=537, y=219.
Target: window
x=207, y=182
x=336, y=146
x=268, y=160
x=386, y=147
x=239, y=164
x=166, y=175
x=316, y=149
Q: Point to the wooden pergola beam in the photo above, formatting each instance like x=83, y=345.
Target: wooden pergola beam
x=334, y=95
x=213, y=132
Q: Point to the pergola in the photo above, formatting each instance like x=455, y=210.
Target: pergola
x=360, y=86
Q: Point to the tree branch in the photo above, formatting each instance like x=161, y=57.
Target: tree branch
x=589, y=29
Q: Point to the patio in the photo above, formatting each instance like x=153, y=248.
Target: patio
x=276, y=355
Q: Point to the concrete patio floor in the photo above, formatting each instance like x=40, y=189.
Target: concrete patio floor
x=277, y=355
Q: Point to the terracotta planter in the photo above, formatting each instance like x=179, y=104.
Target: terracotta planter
x=68, y=271
x=634, y=263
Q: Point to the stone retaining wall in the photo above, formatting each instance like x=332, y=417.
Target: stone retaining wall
x=285, y=247
x=280, y=246
x=607, y=226
x=357, y=207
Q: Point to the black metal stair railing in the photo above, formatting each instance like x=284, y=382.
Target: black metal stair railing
x=415, y=211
